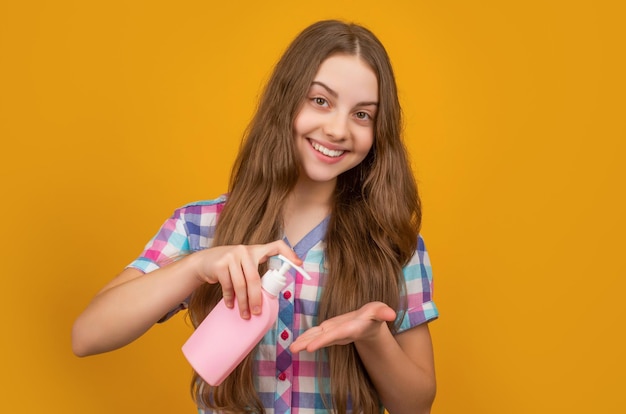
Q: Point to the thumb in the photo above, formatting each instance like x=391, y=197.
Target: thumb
x=383, y=312
x=280, y=247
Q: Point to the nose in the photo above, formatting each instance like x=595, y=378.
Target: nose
x=336, y=126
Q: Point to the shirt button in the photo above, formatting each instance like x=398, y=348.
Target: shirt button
x=284, y=335
x=282, y=376
x=287, y=295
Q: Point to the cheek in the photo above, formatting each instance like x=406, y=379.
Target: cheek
x=366, y=142
x=301, y=122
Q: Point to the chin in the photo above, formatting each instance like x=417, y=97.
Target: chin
x=320, y=177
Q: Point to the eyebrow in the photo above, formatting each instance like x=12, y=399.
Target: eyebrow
x=335, y=94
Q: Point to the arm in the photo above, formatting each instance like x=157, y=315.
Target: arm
x=401, y=367
x=129, y=305
x=132, y=302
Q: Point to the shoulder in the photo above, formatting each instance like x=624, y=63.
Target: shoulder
x=197, y=221
x=203, y=206
x=201, y=211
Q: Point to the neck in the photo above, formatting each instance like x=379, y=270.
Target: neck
x=306, y=206
x=312, y=193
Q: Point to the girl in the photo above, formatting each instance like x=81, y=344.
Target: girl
x=322, y=175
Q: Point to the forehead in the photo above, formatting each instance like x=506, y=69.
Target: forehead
x=349, y=74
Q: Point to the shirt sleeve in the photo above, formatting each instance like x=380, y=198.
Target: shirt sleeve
x=169, y=244
x=419, y=291
x=189, y=229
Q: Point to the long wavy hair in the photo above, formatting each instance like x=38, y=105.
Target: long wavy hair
x=374, y=221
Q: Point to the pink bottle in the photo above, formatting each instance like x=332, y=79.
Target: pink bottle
x=223, y=339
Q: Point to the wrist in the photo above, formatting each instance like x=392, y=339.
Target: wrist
x=377, y=338
x=193, y=264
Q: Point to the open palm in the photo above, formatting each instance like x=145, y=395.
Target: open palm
x=362, y=324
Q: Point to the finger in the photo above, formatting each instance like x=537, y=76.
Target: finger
x=240, y=287
x=301, y=343
x=228, y=293
x=298, y=346
x=330, y=332
x=382, y=312
x=278, y=247
x=253, y=284
x=326, y=338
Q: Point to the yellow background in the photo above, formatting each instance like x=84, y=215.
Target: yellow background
x=112, y=114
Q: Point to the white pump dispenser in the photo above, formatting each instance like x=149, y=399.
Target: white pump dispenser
x=224, y=339
x=274, y=280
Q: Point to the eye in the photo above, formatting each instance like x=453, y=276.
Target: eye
x=363, y=116
x=319, y=101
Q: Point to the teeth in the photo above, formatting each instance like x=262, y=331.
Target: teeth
x=326, y=151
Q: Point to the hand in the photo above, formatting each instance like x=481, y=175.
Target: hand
x=360, y=325
x=236, y=269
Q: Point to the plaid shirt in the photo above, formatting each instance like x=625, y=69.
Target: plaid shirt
x=286, y=382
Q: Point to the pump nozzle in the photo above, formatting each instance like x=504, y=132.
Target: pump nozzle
x=274, y=280
x=289, y=264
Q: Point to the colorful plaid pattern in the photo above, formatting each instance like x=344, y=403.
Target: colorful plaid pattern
x=286, y=382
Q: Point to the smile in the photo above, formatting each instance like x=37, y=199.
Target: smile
x=326, y=151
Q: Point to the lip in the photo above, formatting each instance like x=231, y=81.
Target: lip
x=327, y=145
x=325, y=158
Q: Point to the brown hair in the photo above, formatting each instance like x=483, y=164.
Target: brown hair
x=374, y=223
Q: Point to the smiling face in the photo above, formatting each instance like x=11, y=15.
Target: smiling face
x=334, y=129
